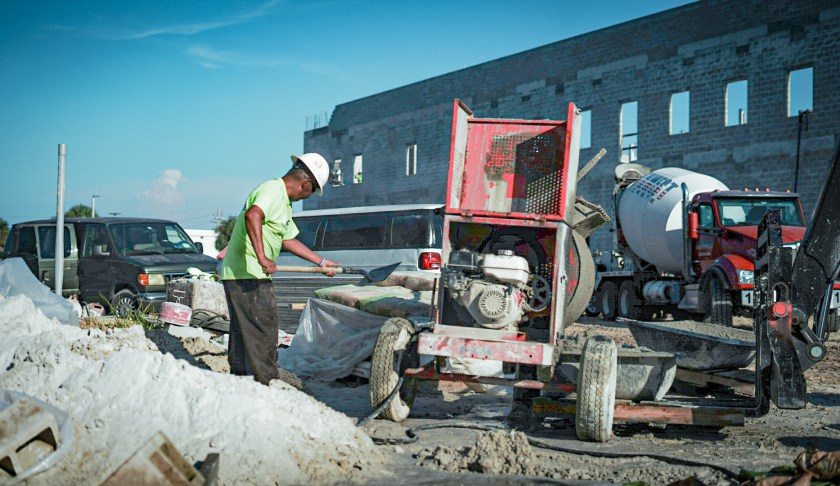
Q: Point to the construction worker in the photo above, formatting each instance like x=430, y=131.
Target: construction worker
x=264, y=226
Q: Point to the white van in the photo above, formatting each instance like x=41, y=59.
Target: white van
x=361, y=237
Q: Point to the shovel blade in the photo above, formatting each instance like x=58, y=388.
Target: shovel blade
x=379, y=274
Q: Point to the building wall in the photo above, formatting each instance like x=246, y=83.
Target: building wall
x=699, y=48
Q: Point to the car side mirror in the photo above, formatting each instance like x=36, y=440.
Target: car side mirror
x=693, y=223
x=101, y=250
x=200, y=246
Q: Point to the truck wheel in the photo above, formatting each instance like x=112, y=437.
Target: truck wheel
x=833, y=321
x=593, y=309
x=124, y=303
x=608, y=301
x=580, y=269
x=596, y=389
x=395, y=335
x=628, y=305
x=720, y=303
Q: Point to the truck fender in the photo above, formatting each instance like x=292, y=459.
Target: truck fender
x=727, y=267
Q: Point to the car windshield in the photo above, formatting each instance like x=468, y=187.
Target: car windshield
x=749, y=211
x=150, y=238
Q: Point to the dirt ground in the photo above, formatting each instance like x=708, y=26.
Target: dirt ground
x=650, y=453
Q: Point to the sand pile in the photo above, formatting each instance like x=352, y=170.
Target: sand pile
x=119, y=390
x=495, y=452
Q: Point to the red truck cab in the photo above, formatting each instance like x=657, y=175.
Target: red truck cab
x=724, y=241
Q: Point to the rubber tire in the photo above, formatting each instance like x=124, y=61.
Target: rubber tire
x=124, y=302
x=596, y=389
x=832, y=322
x=627, y=305
x=583, y=267
x=720, y=303
x=593, y=309
x=384, y=374
x=608, y=301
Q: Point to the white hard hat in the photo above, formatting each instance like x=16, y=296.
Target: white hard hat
x=317, y=165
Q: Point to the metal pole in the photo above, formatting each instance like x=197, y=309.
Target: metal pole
x=59, y=222
x=93, y=205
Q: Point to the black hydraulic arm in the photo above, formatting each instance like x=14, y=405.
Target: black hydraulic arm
x=818, y=259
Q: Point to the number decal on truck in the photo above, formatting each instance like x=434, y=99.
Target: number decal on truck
x=747, y=298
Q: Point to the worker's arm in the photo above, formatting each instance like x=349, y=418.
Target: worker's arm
x=296, y=247
x=253, y=225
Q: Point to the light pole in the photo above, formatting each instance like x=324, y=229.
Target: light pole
x=93, y=205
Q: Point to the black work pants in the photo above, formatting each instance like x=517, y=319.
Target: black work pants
x=252, y=343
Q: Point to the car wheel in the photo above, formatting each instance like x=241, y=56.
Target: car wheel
x=124, y=303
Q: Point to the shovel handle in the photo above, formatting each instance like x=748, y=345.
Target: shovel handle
x=310, y=269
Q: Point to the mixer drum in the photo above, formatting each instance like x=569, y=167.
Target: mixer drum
x=650, y=213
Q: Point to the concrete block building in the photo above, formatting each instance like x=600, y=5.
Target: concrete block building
x=715, y=86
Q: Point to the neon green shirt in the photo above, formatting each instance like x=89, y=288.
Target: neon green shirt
x=240, y=260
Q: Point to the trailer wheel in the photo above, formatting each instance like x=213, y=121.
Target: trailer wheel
x=608, y=301
x=720, y=303
x=628, y=305
x=385, y=370
x=596, y=389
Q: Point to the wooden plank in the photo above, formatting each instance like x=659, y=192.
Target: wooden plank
x=705, y=379
x=663, y=414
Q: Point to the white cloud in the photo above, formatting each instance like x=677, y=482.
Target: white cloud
x=165, y=193
x=187, y=29
x=211, y=58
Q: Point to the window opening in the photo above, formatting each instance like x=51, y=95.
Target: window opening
x=629, y=131
x=586, y=129
x=680, y=109
x=736, y=103
x=800, y=91
x=335, y=176
x=411, y=159
x=357, y=169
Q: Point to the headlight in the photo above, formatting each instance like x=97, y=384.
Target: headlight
x=746, y=277
x=151, y=279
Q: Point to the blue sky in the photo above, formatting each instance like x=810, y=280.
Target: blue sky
x=178, y=109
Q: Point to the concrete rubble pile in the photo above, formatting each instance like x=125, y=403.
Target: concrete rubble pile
x=119, y=391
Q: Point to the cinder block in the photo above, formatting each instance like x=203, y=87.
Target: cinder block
x=28, y=433
x=157, y=462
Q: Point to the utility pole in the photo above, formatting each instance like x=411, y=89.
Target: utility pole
x=93, y=205
x=218, y=217
x=803, y=114
x=59, y=222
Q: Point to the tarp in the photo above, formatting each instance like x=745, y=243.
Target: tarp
x=330, y=341
x=17, y=279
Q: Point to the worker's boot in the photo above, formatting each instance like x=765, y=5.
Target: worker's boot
x=287, y=377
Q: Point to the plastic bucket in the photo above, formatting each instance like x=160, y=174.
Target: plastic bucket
x=174, y=313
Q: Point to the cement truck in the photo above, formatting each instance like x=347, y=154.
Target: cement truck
x=684, y=244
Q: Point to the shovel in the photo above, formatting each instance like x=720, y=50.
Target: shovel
x=374, y=276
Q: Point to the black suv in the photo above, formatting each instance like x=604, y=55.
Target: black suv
x=119, y=262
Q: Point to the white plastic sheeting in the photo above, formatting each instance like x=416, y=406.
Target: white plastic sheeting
x=17, y=279
x=330, y=341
